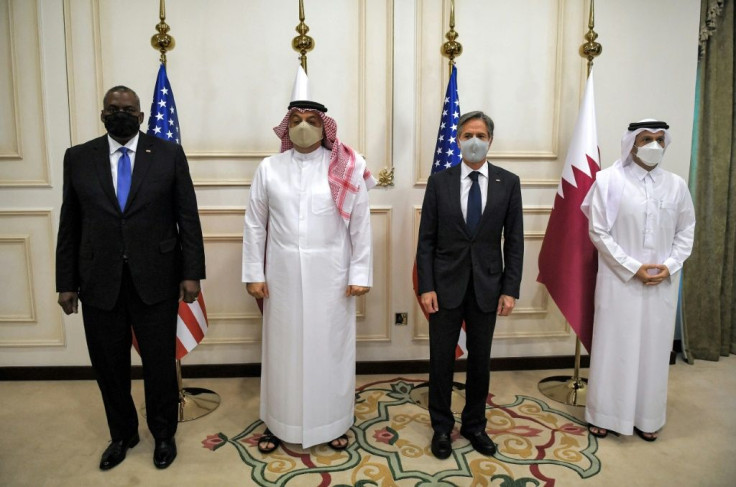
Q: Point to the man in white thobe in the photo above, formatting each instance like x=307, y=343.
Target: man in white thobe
x=307, y=253
x=642, y=221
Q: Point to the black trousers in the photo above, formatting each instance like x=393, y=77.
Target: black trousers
x=109, y=339
x=444, y=330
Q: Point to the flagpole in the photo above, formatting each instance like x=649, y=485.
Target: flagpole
x=451, y=49
x=573, y=390
x=420, y=393
x=194, y=402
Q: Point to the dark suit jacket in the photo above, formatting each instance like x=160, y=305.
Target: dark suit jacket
x=158, y=234
x=447, y=253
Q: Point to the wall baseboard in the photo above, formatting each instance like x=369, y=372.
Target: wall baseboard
x=254, y=370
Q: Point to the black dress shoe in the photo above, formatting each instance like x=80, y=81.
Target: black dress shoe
x=164, y=453
x=114, y=454
x=441, y=445
x=481, y=442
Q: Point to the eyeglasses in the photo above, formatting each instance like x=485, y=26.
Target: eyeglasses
x=114, y=109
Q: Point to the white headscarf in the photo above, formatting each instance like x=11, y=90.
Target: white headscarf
x=611, y=182
x=629, y=137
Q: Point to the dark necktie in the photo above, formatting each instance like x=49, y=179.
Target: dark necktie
x=474, y=203
x=123, y=177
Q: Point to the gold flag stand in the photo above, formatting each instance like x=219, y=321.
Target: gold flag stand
x=194, y=402
x=565, y=389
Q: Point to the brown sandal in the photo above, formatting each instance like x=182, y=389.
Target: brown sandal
x=266, y=438
x=599, y=433
x=646, y=436
x=338, y=446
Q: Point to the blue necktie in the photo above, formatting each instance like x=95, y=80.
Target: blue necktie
x=474, y=203
x=123, y=177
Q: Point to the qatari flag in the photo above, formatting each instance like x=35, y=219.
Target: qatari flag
x=568, y=261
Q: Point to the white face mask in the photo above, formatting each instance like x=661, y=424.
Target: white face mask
x=305, y=135
x=650, y=154
x=474, y=150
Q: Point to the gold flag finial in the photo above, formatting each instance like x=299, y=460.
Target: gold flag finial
x=162, y=41
x=591, y=49
x=302, y=43
x=451, y=49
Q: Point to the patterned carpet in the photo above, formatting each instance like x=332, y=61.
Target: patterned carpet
x=389, y=446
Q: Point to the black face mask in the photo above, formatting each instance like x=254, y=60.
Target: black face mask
x=121, y=124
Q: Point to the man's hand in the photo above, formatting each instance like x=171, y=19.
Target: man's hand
x=258, y=290
x=188, y=291
x=69, y=302
x=356, y=290
x=429, y=302
x=652, y=274
x=505, y=305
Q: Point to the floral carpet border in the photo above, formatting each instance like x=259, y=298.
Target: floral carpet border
x=389, y=446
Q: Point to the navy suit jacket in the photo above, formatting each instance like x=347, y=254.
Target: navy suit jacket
x=158, y=233
x=447, y=253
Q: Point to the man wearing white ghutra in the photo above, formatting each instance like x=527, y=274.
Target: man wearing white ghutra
x=642, y=221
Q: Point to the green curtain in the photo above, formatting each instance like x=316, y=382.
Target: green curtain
x=709, y=275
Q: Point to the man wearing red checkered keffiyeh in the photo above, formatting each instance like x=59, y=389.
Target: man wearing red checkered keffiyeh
x=307, y=254
x=344, y=180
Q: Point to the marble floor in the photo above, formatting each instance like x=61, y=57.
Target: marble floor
x=54, y=432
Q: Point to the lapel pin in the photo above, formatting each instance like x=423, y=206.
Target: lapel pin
x=148, y=150
x=498, y=180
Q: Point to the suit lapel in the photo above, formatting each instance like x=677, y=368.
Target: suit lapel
x=495, y=185
x=453, y=190
x=454, y=193
x=101, y=155
x=143, y=161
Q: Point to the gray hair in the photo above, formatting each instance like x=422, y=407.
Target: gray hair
x=467, y=116
x=121, y=89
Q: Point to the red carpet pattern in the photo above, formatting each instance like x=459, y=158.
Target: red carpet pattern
x=389, y=446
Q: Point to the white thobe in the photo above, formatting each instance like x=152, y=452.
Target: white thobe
x=634, y=324
x=296, y=241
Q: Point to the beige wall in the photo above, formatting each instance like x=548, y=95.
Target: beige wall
x=376, y=65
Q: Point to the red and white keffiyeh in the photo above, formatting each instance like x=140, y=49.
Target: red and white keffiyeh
x=343, y=180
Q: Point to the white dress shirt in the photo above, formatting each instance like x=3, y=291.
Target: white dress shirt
x=466, y=182
x=115, y=155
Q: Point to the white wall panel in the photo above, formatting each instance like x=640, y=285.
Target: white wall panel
x=378, y=68
x=16, y=302
x=232, y=72
x=9, y=121
x=23, y=150
x=374, y=315
x=517, y=79
x=26, y=259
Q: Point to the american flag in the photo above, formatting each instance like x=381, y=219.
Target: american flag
x=163, y=123
x=164, y=119
x=447, y=152
x=446, y=155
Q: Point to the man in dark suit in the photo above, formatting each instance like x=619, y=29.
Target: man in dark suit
x=130, y=248
x=464, y=275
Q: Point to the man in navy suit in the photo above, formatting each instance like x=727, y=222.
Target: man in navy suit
x=130, y=248
x=465, y=274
